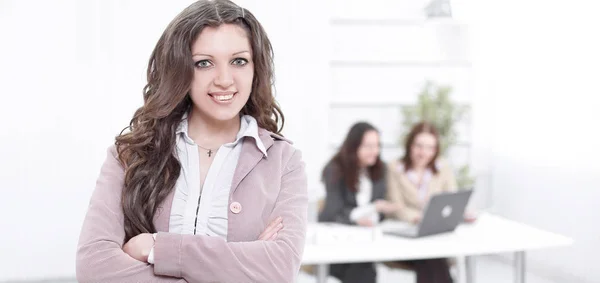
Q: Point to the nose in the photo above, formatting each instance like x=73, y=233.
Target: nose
x=224, y=78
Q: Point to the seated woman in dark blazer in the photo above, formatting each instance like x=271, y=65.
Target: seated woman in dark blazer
x=356, y=188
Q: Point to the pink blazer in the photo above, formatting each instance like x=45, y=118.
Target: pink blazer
x=266, y=187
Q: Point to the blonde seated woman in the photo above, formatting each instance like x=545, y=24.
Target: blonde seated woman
x=411, y=182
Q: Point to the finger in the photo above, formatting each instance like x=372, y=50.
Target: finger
x=273, y=237
x=264, y=235
x=273, y=224
x=270, y=228
x=268, y=234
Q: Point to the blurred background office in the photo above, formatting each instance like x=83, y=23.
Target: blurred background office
x=517, y=82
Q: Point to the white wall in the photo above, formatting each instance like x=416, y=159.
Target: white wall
x=72, y=74
x=539, y=61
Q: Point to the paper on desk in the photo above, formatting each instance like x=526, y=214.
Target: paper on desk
x=394, y=225
x=332, y=233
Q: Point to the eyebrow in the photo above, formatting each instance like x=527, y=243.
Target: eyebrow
x=236, y=53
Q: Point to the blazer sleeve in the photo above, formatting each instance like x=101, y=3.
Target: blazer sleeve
x=99, y=256
x=404, y=212
x=212, y=259
x=335, y=209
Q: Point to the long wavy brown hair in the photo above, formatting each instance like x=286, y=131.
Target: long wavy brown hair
x=345, y=162
x=421, y=127
x=146, y=148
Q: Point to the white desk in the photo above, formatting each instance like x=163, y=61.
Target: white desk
x=488, y=235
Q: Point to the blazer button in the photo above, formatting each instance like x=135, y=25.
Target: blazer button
x=235, y=207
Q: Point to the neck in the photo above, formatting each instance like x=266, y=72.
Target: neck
x=210, y=133
x=362, y=168
x=419, y=169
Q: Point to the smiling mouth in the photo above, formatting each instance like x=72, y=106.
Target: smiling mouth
x=222, y=97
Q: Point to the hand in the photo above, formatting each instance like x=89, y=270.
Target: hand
x=385, y=207
x=416, y=219
x=272, y=229
x=366, y=222
x=470, y=217
x=139, y=246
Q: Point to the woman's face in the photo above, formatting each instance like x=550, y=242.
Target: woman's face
x=223, y=72
x=423, y=149
x=368, y=151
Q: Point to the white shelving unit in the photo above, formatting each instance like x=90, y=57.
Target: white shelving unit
x=382, y=59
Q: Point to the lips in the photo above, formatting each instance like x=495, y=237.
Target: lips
x=222, y=97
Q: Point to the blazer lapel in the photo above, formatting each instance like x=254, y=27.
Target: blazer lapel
x=163, y=213
x=249, y=158
x=411, y=191
x=350, y=197
x=433, y=186
x=378, y=191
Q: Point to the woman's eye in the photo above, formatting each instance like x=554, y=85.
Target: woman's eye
x=239, y=62
x=203, y=64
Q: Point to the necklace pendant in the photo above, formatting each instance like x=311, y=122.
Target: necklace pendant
x=209, y=152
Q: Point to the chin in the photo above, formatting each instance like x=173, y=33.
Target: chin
x=423, y=164
x=224, y=116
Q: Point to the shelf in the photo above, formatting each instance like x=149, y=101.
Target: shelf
x=363, y=104
x=406, y=63
x=376, y=104
x=393, y=22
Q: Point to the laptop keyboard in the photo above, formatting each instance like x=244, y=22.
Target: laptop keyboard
x=410, y=230
x=400, y=228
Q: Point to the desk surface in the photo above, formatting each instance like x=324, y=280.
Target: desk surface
x=490, y=234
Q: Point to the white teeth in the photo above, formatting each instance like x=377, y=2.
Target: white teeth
x=223, y=97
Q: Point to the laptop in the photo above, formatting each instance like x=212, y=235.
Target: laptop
x=442, y=214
